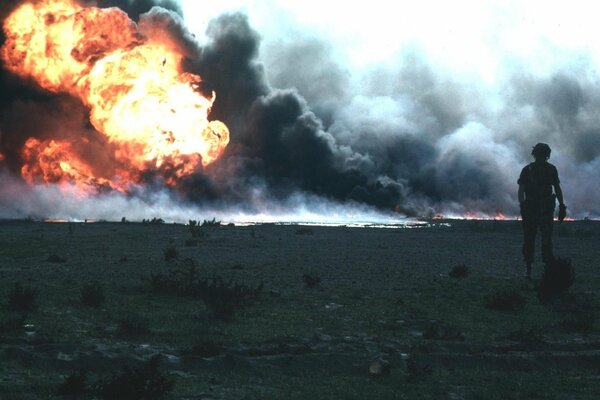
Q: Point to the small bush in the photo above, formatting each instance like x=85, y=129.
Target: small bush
x=153, y=221
x=195, y=229
x=206, y=349
x=11, y=322
x=170, y=253
x=558, y=276
x=191, y=243
x=56, y=259
x=224, y=298
x=22, y=299
x=417, y=373
x=143, y=383
x=180, y=281
x=459, y=271
x=506, y=300
x=311, y=279
x=92, y=294
x=221, y=297
x=73, y=386
x=211, y=223
x=525, y=335
x=439, y=331
x=133, y=325
x=580, y=322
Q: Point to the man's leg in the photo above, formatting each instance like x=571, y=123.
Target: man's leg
x=546, y=232
x=529, y=232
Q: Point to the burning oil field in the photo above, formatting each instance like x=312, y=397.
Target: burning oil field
x=106, y=108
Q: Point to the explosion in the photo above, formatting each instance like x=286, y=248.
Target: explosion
x=151, y=112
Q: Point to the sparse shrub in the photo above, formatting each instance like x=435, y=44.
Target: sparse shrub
x=311, y=279
x=11, y=322
x=221, y=297
x=505, y=300
x=580, y=322
x=191, y=243
x=22, y=299
x=195, y=229
x=180, y=281
x=208, y=348
x=92, y=294
x=304, y=230
x=133, y=325
x=143, y=383
x=54, y=258
x=417, y=373
x=73, y=386
x=211, y=223
x=439, y=331
x=170, y=253
x=525, y=336
x=224, y=298
x=459, y=271
x=153, y=221
x=558, y=276
x=50, y=331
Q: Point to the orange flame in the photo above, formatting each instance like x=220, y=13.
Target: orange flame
x=138, y=95
x=54, y=162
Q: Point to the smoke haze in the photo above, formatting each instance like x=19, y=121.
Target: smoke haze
x=314, y=131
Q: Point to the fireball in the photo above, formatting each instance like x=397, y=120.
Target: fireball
x=139, y=97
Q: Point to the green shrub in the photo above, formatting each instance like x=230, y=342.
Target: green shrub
x=459, y=271
x=92, y=294
x=558, y=276
x=170, y=253
x=73, y=386
x=505, y=300
x=311, y=279
x=133, y=325
x=143, y=383
x=22, y=299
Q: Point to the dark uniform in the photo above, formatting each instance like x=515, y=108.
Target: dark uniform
x=538, y=209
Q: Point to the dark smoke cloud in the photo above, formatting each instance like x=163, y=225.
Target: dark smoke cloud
x=315, y=74
x=277, y=137
x=135, y=8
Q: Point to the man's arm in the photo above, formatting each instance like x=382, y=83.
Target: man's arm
x=562, y=209
x=521, y=193
x=559, y=193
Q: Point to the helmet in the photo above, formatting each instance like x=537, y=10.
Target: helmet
x=541, y=150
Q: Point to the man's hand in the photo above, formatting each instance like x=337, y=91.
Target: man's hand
x=562, y=212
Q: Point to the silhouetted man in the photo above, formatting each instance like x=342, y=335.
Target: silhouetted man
x=537, y=202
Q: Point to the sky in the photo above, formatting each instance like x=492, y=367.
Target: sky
x=481, y=39
x=408, y=108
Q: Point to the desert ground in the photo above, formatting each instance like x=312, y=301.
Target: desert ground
x=293, y=312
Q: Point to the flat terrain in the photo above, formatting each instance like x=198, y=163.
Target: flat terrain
x=333, y=300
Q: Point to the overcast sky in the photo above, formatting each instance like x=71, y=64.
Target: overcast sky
x=481, y=39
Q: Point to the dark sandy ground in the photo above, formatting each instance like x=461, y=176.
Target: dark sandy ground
x=384, y=294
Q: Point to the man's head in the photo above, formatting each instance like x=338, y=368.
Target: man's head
x=541, y=152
